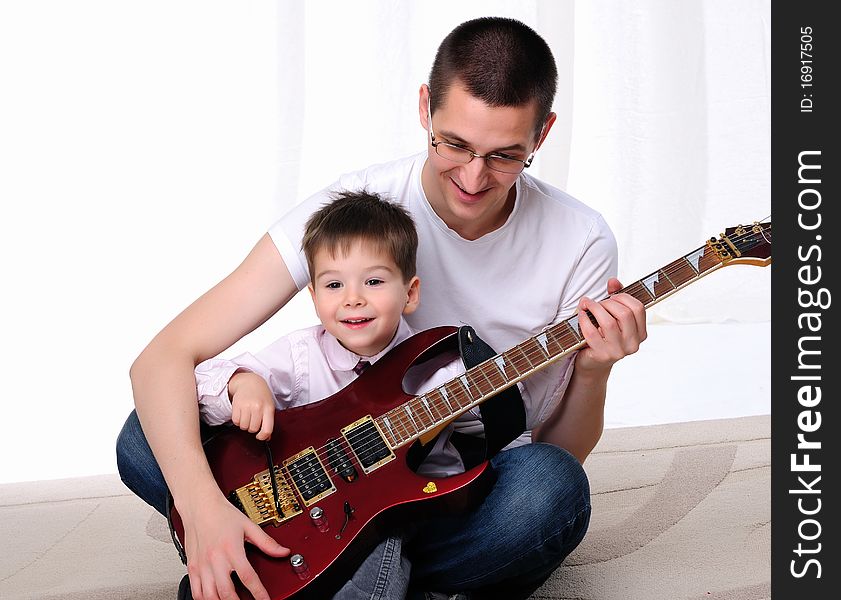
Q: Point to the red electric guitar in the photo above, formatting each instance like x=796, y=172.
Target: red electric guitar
x=340, y=465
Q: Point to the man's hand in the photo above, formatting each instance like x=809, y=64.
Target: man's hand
x=252, y=404
x=577, y=423
x=215, y=546
x=621, y=329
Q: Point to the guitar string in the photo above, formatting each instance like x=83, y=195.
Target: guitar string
x=463, y=396
x=397, y=416
x=401, y=419
x=365, y=443
x=463, y=399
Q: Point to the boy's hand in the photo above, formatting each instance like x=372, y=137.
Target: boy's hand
x=252, y=404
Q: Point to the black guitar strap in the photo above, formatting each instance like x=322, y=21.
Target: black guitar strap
x=503, y=415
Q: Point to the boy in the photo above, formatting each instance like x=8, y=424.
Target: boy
x=361, y=254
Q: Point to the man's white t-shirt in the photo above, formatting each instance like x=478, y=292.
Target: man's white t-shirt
x=509, y=284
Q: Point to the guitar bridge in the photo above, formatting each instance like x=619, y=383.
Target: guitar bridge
x=256, y=499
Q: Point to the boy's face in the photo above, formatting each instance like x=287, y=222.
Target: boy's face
x=359, y=296
x=471, y=198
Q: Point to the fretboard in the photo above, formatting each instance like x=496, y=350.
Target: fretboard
x=407, y=422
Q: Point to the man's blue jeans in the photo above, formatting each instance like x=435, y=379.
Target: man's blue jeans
x=535, y=515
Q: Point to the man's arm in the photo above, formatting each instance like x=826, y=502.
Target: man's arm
x=164, y=388
x=577, y=423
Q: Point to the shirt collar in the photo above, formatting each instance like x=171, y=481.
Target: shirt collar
x=340, y=358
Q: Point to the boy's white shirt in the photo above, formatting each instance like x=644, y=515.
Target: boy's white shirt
x=309, y=365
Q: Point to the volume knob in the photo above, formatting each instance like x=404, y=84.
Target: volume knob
x=299, y=566
x=319, y=519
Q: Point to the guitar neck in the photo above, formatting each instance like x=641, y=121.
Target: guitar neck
x=427, y=412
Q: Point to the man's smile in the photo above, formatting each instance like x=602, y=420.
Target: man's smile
x=466, y=196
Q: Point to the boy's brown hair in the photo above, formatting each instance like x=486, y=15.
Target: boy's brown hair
x=362, y=216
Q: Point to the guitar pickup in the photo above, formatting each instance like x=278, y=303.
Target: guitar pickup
x=368, y=444
x=309, y=476
x=340, y=462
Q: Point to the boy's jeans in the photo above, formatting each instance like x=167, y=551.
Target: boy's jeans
x=535, y=515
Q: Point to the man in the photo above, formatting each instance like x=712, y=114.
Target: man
x=498, y=250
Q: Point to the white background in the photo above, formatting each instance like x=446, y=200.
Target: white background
x=146, y=146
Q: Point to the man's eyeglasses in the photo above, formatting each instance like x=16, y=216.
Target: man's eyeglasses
x=460, y=154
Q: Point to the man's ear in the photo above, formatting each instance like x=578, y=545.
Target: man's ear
x=412, y=296
x=423, y=105
x=547, y=125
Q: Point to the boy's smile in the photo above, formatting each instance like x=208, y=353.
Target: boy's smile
x=359, y=296
x=357, y=323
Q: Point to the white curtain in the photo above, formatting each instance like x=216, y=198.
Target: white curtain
x=671, y=137
x=145, y=147
x=663, y=116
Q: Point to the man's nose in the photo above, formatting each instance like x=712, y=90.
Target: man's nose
x=474, y=175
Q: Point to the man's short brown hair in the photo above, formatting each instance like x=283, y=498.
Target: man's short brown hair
x=500, y=61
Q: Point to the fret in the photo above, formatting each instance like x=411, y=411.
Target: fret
x=420, y=414
x=648, y=283
x=399, y=423
x=665, y=272
x=456, y=394
x=439, y=404
x=423, y=413
x=663, y=285
x=445, y=397
x=524, y=364
x=681, y=272
x=554, y=342
x=428, y=406
x=709, y=260
x=500, y=363
x=694, y=258
x=472, y=390
x=465, y=395
x=535, y=349
x=506, y=363
x=543, y=340
x=492, y=374
x=479, y=382
x=574, y=328
x=563, y=331
x=407, y=408
x=385, y=426
x=533, y=352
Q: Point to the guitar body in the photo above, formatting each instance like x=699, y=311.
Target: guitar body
x=385, y=496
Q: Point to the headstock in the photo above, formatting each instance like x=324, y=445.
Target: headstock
x=744, y=244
